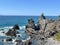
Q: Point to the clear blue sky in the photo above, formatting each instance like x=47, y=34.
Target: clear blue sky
x=29, y=7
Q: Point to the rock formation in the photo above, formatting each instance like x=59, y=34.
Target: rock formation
x=30, y=24
x=44, y=29
x=16, y=27
x=39, y=33
x=42, y=22
x=11, y=32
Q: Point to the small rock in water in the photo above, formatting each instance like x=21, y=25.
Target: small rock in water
x=16, y=27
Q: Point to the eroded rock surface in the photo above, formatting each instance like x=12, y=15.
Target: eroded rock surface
x=47, y=29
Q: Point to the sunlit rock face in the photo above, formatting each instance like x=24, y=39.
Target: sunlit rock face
x=46, y=29
x=42, y=22
x=30, y=24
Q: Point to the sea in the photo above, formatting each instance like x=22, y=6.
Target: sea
x=7, y=22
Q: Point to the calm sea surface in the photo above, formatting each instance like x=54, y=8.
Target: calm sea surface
x=20, y=20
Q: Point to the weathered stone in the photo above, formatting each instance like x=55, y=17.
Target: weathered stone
x=11, y=32
x=16, y=27
x=30, y=24
x=46, y=29
x=42, y=22
x=42, y=16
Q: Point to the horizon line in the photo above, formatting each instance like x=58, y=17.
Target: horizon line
x=25, y=15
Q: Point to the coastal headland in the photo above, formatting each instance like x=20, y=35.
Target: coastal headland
x=44, y=32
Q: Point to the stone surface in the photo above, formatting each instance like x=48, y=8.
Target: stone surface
x=30, y=24
x=11, y=32
x=16, y=27
x=44, y=29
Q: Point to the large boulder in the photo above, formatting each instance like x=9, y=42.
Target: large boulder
x=11, y=32
x=16, y=27
x=30, y=24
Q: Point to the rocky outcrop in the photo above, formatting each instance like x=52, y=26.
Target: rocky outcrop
x=19, y=42
x=39, y=33
x=16, y=27
x=42, y=22
x=42, y=16
x=46, y=29
x=30, y=24
x=11, y=32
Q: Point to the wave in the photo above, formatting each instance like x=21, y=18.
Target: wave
x=5, y=29
x=26, y=39
x=8, y=27
x=21, y=27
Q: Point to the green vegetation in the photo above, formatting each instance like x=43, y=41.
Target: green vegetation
x=57, y=36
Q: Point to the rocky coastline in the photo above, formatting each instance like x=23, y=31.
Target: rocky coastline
x=45, y=29
x=39, y=34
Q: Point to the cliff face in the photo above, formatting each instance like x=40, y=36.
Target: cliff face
x=47, y=28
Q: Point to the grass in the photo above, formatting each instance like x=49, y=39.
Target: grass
x=57, y=36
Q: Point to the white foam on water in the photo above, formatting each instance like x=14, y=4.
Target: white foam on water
x=8, y=27
x=22, y=27
x=26, y=39
x=35, y=24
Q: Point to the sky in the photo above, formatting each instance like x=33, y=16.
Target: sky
x=30, y=7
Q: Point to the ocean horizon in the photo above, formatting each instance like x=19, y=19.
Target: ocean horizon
x=20, y=20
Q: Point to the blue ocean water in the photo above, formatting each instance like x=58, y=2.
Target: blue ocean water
x=20, y=20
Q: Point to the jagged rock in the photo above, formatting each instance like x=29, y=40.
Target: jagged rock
x=16, y=27
x=52, y=33
x=30, y=24
x=11, y=32
x=19, y=42
x=9, y=39
x=42, y=16
x=50, y=28
x=42, y=22
x=30, y=31
x=47, y=28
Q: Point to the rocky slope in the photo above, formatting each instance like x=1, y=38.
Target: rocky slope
x=46, y=28
x=41, y=33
